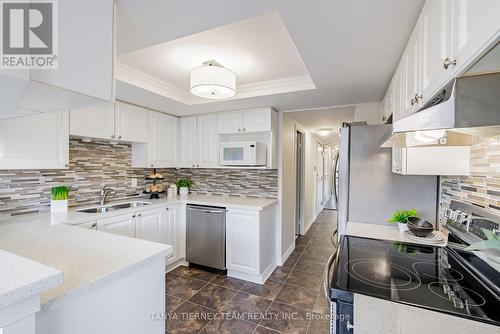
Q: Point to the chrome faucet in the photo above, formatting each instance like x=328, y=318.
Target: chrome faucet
x=105, y=191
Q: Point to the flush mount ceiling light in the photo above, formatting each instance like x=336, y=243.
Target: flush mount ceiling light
x=212, y=81
x=324, y=132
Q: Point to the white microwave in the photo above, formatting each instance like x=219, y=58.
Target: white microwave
x=243, y=154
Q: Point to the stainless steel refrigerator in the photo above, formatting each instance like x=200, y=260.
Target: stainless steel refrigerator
x=368, y=191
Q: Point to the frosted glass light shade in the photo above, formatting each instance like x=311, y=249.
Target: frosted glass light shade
x=213, y=82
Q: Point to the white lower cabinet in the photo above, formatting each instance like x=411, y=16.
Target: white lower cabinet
x=123, y=225
x=174, y=231
x=148, y=225
x=251, y=243
x=242, y=240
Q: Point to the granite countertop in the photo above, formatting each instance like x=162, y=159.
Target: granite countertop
x=21, y=278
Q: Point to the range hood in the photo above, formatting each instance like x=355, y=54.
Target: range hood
x=469, y=102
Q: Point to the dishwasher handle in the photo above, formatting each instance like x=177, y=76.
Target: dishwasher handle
x=206, y=210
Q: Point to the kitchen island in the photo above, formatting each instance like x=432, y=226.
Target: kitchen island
x=115, y=281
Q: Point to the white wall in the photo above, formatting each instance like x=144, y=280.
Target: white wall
x=367, y=112
x=288, y=180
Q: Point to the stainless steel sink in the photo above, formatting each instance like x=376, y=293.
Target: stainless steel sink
x=107, y=208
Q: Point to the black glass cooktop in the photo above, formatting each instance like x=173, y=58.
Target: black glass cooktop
x=424, y=276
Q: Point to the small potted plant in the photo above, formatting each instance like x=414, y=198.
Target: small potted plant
x=184, y=185
x=59, y=199
x=401, y=217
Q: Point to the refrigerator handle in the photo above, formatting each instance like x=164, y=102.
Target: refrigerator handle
x=335, y=193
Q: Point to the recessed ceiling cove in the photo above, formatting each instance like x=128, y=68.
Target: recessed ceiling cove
x=259, y=50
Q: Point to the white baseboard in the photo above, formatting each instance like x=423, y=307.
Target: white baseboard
x=309, y=224
x=259, y=279
x=286, y=255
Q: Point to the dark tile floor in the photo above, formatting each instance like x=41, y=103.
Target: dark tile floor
x=291, y=301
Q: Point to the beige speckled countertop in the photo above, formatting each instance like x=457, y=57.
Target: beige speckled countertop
x=89, y=258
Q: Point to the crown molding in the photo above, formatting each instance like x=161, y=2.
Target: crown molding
x=148, y=82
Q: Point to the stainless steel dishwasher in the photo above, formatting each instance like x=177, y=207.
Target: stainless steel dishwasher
x=206, y=236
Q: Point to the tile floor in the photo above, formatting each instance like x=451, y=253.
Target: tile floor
x=291, y=301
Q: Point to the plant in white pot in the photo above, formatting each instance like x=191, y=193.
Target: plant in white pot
x=59, y=199
x=184, y=185
x=401, y=217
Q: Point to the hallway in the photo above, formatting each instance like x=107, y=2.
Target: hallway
x=291, y=301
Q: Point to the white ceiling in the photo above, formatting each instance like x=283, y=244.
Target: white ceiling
x=350, y=48
x=312, y=120
x=259, y=50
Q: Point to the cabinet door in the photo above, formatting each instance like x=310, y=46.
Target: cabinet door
x=242, y=240
x=398, y=95
x=411, y=69
x=86, y=49
x=38, y=141
x=173, y=232
x=257, y=120
x=399, y=160
x=148, y=225
x=230, y=122
x=436, y=44
x=208, y=141
x=476, y=23
x=162, y=140
x=188, y=152
x=123, y=225
x=94, y=122
x=131, y=123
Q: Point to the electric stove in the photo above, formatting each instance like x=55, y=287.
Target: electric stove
x=434, y=278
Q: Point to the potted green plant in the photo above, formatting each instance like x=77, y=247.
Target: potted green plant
x=401, y=217
x=59, y=198
x=184, y=185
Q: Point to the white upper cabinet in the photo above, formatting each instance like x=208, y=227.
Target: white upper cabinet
x=198, y=141
x=257, y=120
x=231, y=122
x=160, y=149
x=411, y=68
x=208, y=141
x=188, y=142
x=436, y=43
x=38, y=141
x=448, y=38
x=131, y=123
x=113, y=121
x=476, y=25
x=94, y=122
x=86, y=49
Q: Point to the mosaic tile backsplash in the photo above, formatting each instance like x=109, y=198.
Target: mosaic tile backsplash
x=482, y=187
x=96, y=163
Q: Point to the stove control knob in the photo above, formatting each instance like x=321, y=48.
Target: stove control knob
x=451, y=295
x=457, y=303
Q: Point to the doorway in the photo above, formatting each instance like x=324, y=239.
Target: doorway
x=299, y=182
x=320, y=177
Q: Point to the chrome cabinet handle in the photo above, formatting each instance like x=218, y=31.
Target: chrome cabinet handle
x=133, y=216
x=66, y=165
x=94, y=225
x=349, y=326
x=139, y=215
x=413, y=101
x=112, y=136
x=244, y=130
x=239, y=130
x=447, y=62
x=119, y=137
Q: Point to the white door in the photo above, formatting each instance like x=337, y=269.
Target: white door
x=476, y=23
x=38, y=141
x=242, y=240
x=162, y=140
x=411, y=68
x=94, y=122
x=208, y=141
x=231, y=122
x=131, y=123
x=148, y=225
x=188, y=142
x=123, y=225
x=436, y=44
x=257, y=120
